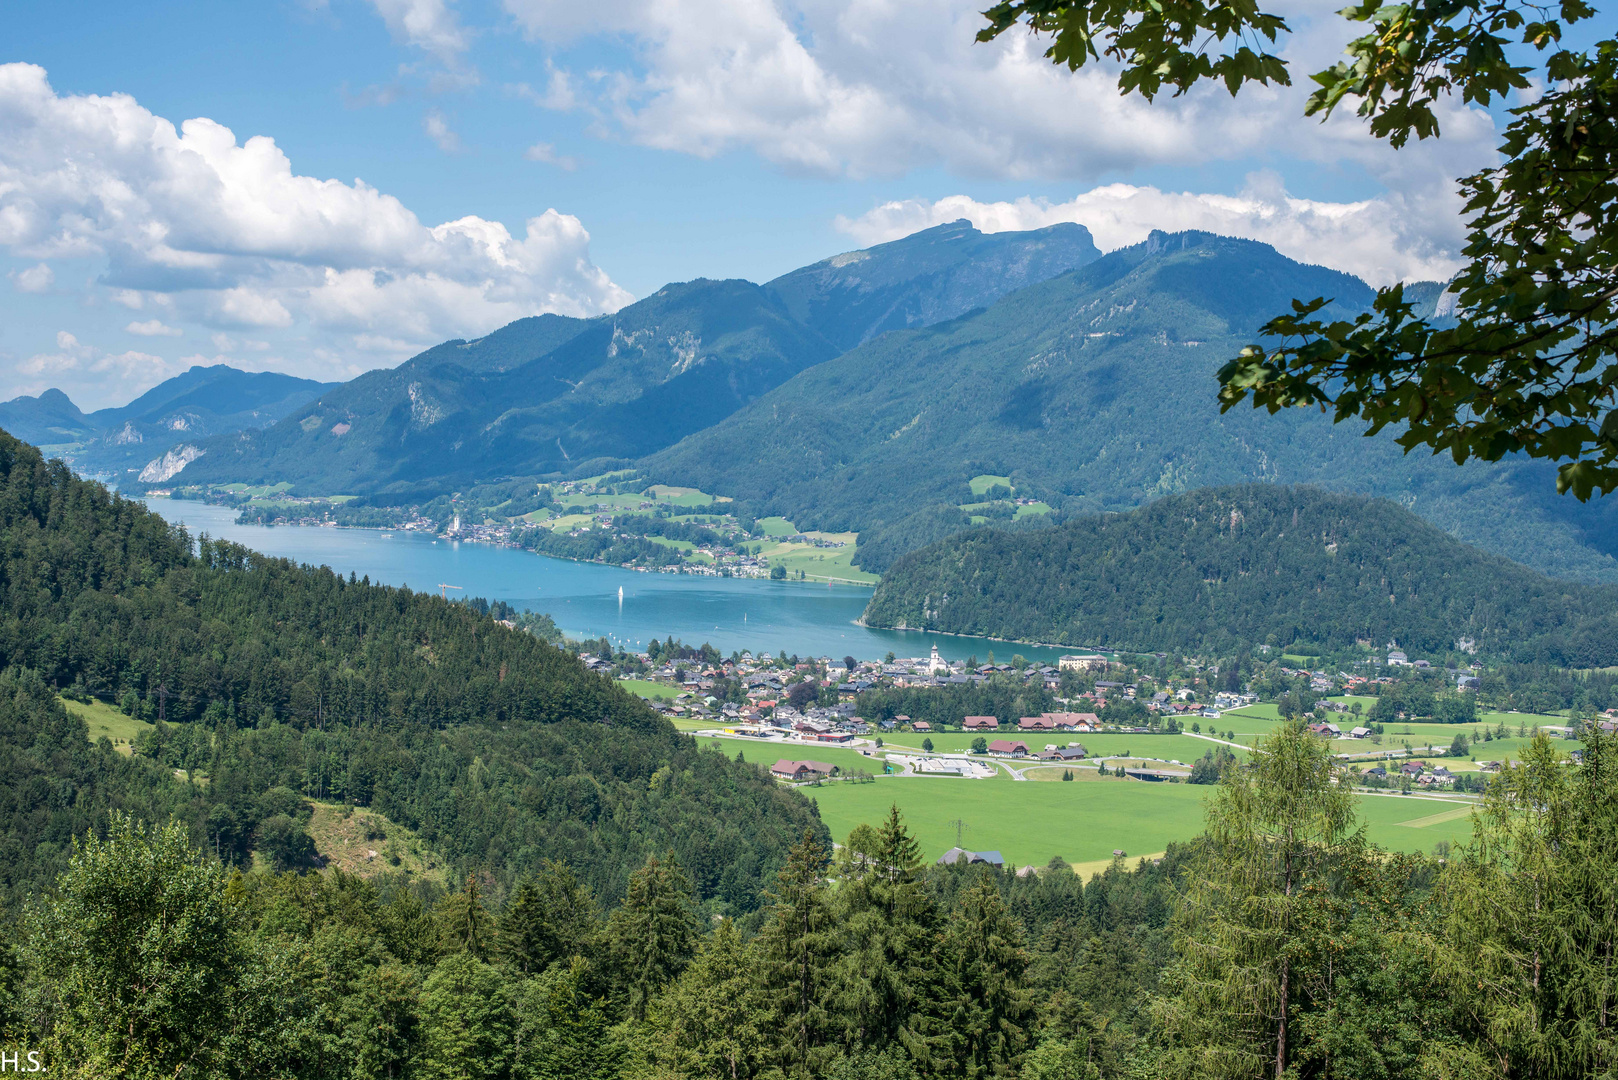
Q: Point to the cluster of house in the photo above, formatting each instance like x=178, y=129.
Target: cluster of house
x=1426, y=775
x=1016, y=748
x=1332, y=731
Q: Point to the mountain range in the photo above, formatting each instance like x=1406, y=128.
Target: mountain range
x=203, y=401
x=555, y=395
x=1219, y=569
x=865, y=392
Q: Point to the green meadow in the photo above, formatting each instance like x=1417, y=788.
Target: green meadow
x=104, y=719
x=1085, y=822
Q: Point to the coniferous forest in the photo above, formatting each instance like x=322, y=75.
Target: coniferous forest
x=1220, y=569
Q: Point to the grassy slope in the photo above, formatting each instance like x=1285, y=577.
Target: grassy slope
x=363, y=842
x=106, y=720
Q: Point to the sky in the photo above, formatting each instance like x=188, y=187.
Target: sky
x=324, y=187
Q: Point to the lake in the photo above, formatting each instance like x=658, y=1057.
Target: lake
x=732, y=614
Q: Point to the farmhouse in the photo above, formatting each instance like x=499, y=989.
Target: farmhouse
x=1009, y=748
x=803, y=770
x=980, y=723
x=1036, y=723
x=1063, y=753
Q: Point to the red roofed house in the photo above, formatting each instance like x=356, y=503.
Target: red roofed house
x=1075, y=721
x=980, y=723
x=921, y=725
x=1008, y=748
x=1036, y=723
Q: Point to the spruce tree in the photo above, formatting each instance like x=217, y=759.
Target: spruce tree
x=887, y=923
x=654, y=933
x=464, y=925
x=1280, y=832
x=795, y=952
x=987, y=1014
x=550, y=917
x=1530, y=943
x=708, y=1023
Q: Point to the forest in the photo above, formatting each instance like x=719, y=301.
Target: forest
x=1280, y=943
x=261, y=676
x=1222, y=569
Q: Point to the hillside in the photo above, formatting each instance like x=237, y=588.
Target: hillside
x=1220, y=569
x=263, y=676
x=117, y=442
x=1095, y=391
x=925, y=278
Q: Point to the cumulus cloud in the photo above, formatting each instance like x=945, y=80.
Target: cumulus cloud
x=109, y=377
x=1382, y=240
x=875, y=88
x=228, y=235
x=35, y=279
x=153, y=328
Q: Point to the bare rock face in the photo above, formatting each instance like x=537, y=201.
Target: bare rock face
x=169, y=465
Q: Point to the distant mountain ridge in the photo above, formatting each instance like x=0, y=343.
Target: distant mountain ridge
x=201, y=401
x=1222, y=569
x=558, y=395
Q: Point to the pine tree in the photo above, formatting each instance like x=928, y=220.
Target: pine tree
x=463, y=923
x=654, y=932
x=1530, y=943
x=1279, y=834
x=707, y=1025
x=986, y=1012
x=795, y=951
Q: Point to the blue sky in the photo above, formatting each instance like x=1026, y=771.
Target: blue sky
x=440, y=168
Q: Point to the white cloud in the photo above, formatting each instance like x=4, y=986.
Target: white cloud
x=877, y=88
x=438, y=129
x=153, y=328
x=229, y=236
x=430, y=25
x=104, y=378
x=546, y=153
x=1382, y=240
x=558, y=96
x=36, y=279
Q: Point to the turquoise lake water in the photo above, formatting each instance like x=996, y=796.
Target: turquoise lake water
x=730, y=613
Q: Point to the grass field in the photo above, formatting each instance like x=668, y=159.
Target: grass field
x=817, y=563
x=774, y=526
x=1084, y=822
x=980, y=484
x=106, y=720
x=648, y=689
x=1031, y=510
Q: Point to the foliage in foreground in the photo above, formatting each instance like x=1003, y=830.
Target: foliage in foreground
x=1279, y=945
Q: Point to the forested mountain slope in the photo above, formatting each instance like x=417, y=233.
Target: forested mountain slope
x=1096, y=391
x=613, y=387
x=926, y=278
x=1220, y=569
x=498, y=749
x=552, y=395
